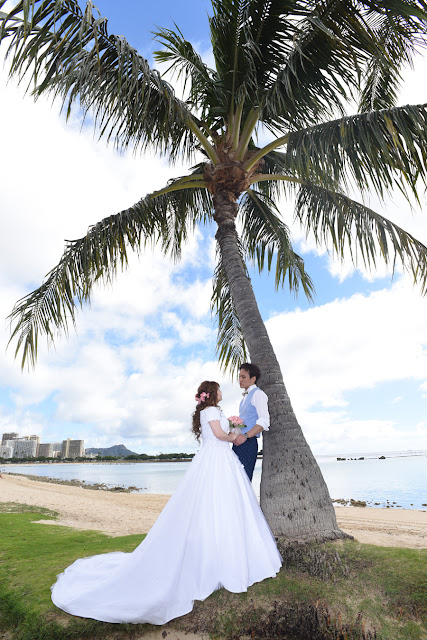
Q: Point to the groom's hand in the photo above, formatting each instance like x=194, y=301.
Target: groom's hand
x=240, y=439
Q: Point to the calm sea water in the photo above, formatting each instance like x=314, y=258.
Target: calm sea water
x=400, y=479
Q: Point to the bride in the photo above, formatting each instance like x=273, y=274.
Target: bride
x=211, y=534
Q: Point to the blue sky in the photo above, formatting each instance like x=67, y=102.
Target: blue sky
x=354, y=362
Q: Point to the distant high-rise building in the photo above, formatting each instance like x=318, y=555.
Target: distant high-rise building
x=11, y=445
x=65, y=449
x=25, y=448
x=9, y=436
x=56, y=449
x=37, y=440
x=45, y=450
x=5, y=452
x=72, y=448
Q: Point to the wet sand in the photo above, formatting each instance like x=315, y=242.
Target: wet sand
x=120, y=514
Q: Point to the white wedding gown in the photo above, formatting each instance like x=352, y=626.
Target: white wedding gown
x=211, y=534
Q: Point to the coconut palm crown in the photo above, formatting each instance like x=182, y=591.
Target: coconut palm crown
x=287, y=67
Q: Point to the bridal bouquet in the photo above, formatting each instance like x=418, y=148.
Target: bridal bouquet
x=236, y=424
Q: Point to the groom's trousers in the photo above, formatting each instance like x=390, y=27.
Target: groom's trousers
x=247, y=453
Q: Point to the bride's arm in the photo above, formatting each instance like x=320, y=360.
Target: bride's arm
x=219, y=433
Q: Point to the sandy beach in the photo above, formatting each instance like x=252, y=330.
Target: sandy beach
x=120, y=514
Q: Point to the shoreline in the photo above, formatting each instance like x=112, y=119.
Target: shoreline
x=120, y=514
x=101, y=486
x=84, y=484
x=362, y=457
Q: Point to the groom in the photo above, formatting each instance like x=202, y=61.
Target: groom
x=254, y=412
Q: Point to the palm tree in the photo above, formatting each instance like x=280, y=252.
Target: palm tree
x=287, y=67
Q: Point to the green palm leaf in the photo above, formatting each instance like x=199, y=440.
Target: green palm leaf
x=231, y=348
x=397, y=36
x=314, y=77
x=352, y=226
x=249, y=38
x=380, y=149
x=71, y=54
x=185, y=205
x=180, y=55
x=162, y=219
x=283, y=180
x=265, y=238
x=335, y=44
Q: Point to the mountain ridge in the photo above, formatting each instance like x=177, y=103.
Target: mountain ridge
x=117, y=450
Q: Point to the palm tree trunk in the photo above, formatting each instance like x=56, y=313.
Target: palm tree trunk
x=294, y=496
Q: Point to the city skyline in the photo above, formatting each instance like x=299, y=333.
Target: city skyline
x=15, y=446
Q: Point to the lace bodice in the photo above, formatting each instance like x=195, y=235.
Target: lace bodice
x=209, y=414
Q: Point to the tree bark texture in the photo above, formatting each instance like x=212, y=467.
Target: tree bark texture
x=294, y=496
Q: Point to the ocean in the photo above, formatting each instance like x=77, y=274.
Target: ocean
x=399, y=481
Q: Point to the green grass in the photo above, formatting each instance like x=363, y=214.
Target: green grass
x=373, y=590
x=380, y=590
x=31, y=556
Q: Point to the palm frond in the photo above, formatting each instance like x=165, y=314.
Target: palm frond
x=163, y=220
x=249, y=38
x=226, y=32
x=277, y=163
x=183, y=60
x=70, y=53
x=336, y=43
x=399, y=38
x=265, y=238
x=355, y=228
x=185, y=208
x=383, y=149
x=231, y=348
x=315, y=77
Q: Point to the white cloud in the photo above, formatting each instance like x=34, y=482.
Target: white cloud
x=335, y=432
x=189, y=332
x=348, y=345
x=352, y=344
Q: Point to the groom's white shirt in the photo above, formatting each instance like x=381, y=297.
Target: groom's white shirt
x=259, y=400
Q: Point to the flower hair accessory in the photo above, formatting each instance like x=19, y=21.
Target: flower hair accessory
x=201, y=397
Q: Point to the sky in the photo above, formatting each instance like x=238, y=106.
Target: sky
x=354, y=362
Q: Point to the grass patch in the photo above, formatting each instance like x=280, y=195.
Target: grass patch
x=334, y=591
x=19, y=507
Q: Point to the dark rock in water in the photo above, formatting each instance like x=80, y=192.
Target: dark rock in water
x=341, y=458
x=96, y=486
x=357, y=503
x=381, y=458
x=361, y=458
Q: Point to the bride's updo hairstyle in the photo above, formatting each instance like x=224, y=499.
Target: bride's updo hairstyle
x=206, y=396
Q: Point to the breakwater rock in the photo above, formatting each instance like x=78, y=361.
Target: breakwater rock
x=96, y=486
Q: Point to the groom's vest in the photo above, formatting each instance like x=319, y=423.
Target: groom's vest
x=248, y=413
